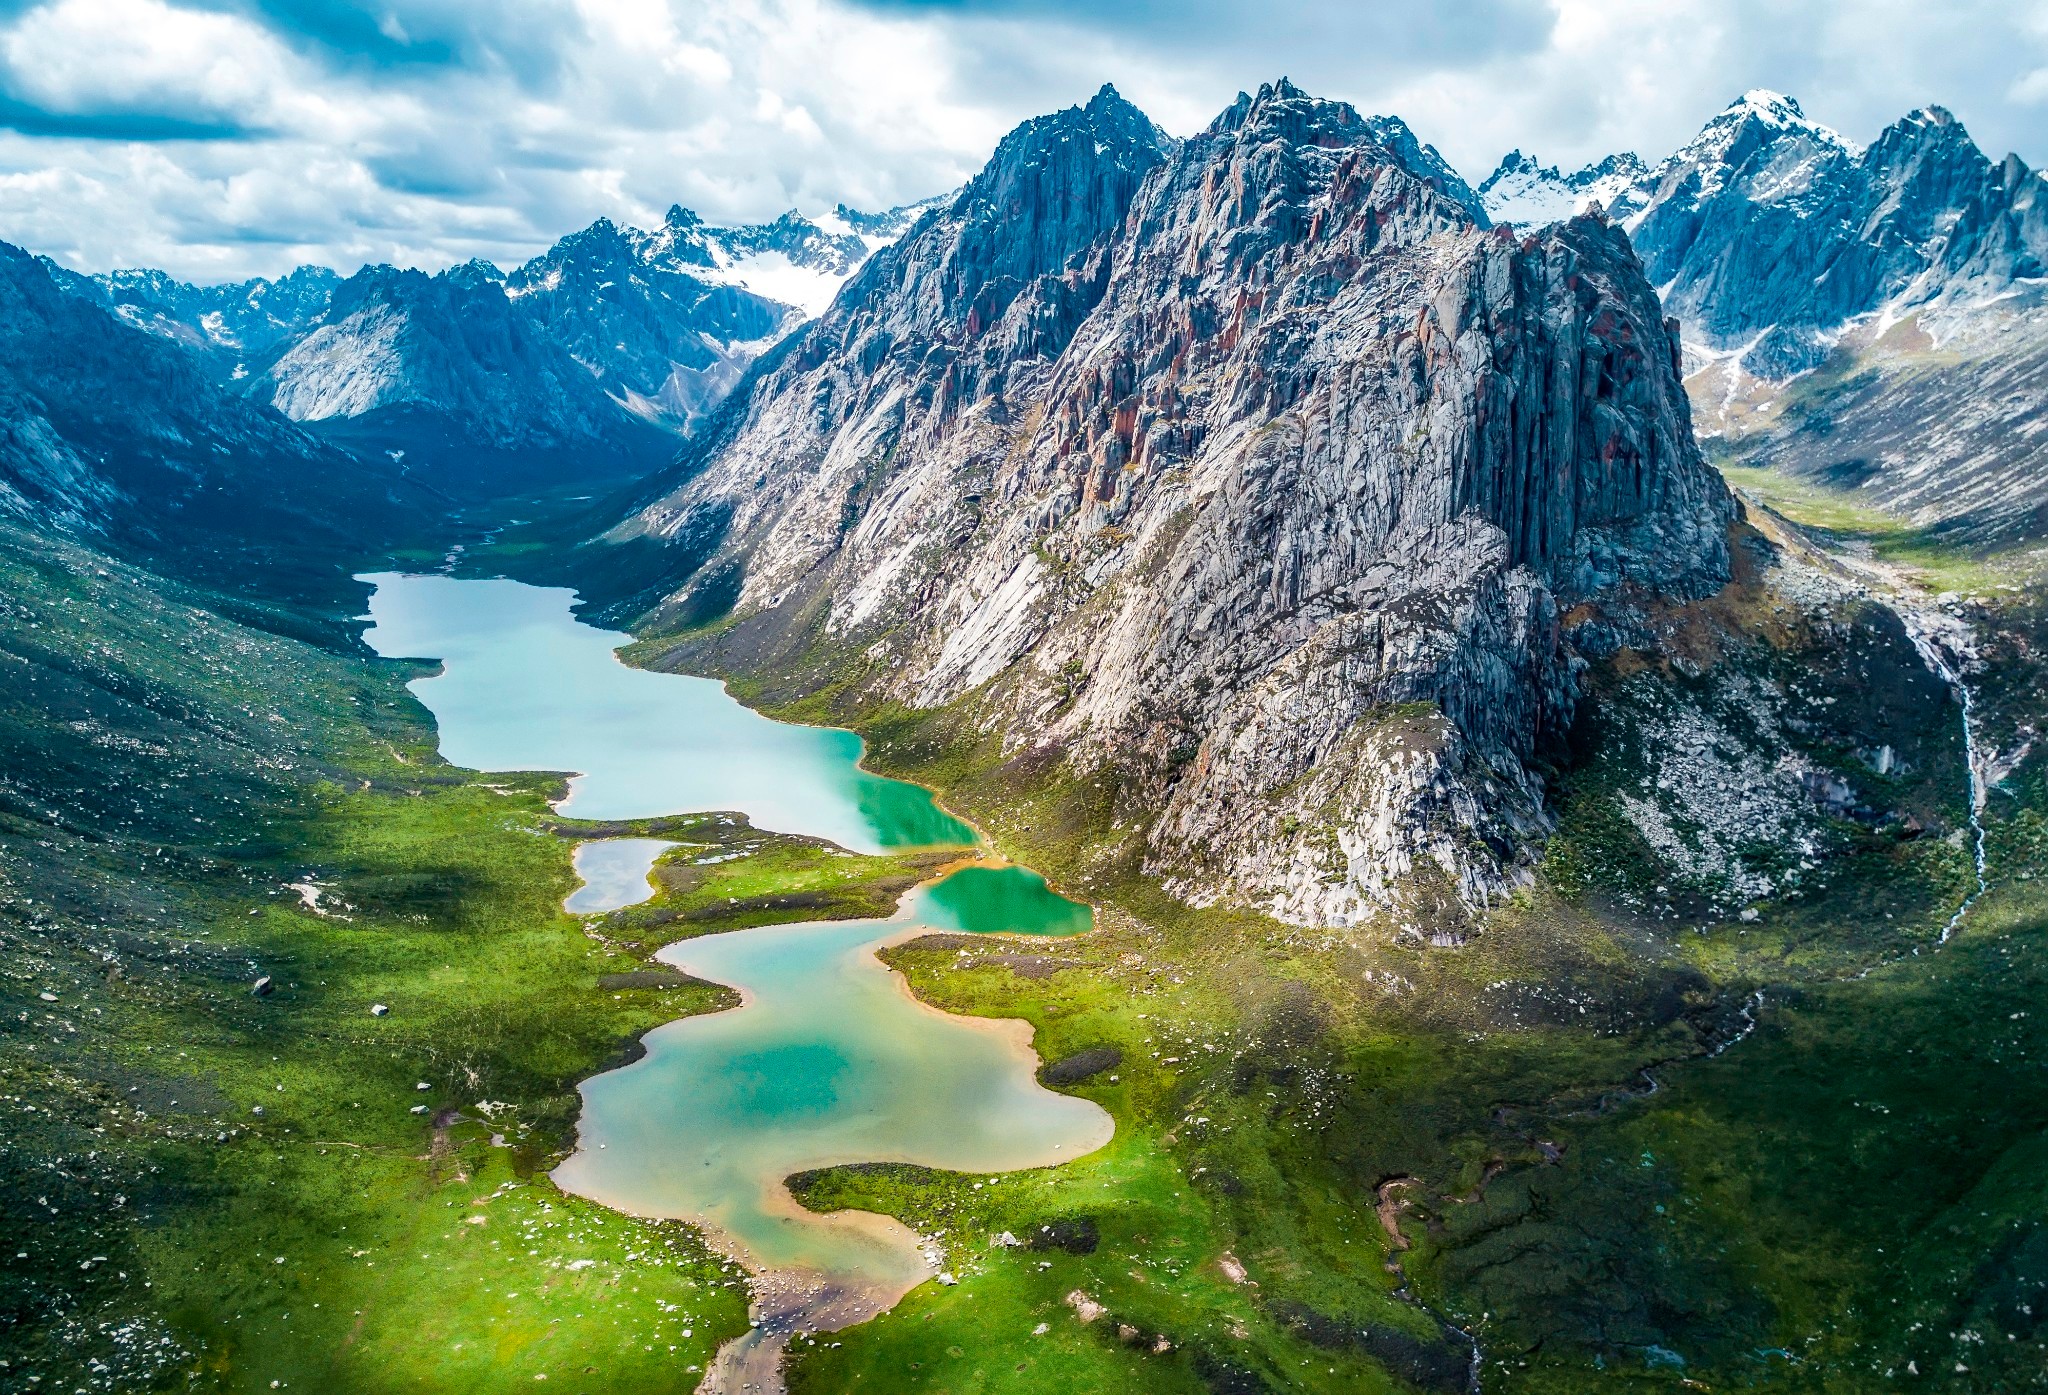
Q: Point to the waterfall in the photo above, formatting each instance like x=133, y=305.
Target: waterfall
x=1938, y=662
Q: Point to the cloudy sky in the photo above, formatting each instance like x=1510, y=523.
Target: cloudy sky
x=226, y=138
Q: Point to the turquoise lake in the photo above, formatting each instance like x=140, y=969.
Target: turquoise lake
x=829, y=1059
x=527, y=686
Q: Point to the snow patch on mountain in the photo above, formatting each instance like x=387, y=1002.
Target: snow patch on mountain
x=1522, y=191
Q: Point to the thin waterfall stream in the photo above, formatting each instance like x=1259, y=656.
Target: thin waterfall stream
x=1938, y=662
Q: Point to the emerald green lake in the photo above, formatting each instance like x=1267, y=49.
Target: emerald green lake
x=829, y=1059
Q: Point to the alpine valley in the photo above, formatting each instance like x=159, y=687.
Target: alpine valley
x=1536, y=683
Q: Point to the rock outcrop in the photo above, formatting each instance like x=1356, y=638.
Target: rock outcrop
x=1768, y=232
x=1250, y=473
x=1910, y=271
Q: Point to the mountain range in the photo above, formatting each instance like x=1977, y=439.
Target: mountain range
x=1557, y=923
x=1191, y=458
x=1870, y=317
x=583, y=362
x=1840, y=309
x=181, y=468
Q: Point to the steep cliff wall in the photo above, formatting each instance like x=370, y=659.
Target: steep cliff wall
x=1249, y=473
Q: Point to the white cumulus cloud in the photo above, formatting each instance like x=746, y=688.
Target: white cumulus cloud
x=222, y=138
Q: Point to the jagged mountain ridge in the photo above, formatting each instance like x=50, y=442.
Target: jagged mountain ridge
x=233, y=324
x=655, y=333
x=578, y=364
x=662, y=323
x=1521, y=190
x=1250, y=469
x=1768, y=232
x=185, y=467
x=443, y=372
x=668, y=320
x=1908, y=273
x=1424, y=162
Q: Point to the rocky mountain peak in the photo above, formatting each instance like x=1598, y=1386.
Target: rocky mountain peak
x=1110, y=105
x=1772, y=108
x=1932, y=115
x=1771, y=232
x=1284, y=168
x=683, y=240
x=1424, y=162
x=1046, y=202
x=1193, y=464
x=1286, y=112
x=1121, y=136
x=1926, y=157
x=1626, y=165
x=476, y=272
x=1759, y=131
x=1758, y=117
x=1524, y=190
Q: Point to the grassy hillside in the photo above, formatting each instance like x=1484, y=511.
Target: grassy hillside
x=207, y=1189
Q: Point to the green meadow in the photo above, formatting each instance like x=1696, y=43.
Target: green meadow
x=1616, y=1134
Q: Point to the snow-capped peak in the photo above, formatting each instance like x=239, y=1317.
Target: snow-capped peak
x=1524, y=190
x=1758, y=117
x=1766, y=105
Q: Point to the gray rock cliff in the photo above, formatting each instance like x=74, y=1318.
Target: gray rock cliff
x=1248, y=473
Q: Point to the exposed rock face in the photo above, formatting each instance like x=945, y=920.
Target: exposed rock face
x=1423, y=161
x=1909, y=270
x=183, y=465
x=996, y=281
x=445, y=370
x=1251, y=473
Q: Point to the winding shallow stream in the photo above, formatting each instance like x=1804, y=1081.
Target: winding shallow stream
x=829, y=1059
